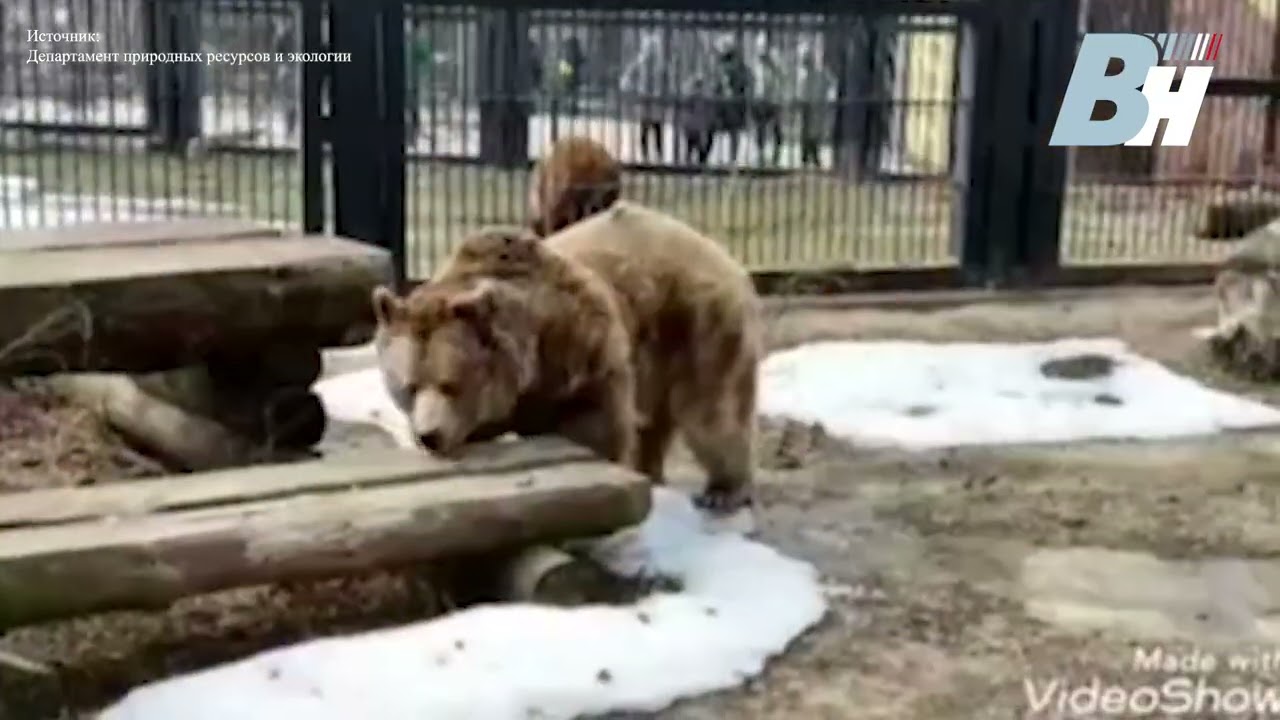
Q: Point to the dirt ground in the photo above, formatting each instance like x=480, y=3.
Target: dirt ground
x=954, y=577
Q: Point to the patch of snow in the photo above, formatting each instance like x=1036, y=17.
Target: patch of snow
x=17, y=188
x=23, y=206
x=1204, y=332
x=360, y=397
x=741, y=603
x=919, y=395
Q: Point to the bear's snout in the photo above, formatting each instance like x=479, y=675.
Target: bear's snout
x=436, y=422
x=430, y=441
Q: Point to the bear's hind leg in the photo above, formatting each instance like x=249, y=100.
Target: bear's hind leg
x=722, y=439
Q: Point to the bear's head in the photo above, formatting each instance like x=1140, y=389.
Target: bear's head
x=576, y=179
x=455, y=357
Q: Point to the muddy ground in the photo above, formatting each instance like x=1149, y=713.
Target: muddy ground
x=954, y=577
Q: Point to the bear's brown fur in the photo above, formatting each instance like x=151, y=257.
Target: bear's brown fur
x=577, y=178
x=468, y=359
x=691, y=315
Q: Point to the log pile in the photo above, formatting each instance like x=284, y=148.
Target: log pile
x=198, y=340
x=144, y=544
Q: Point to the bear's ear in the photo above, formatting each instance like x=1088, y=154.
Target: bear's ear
x=387, y=306
x=477, y=304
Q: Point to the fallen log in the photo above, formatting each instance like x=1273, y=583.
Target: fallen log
x=144, y=544
x=147, y=308
x=539, y=574
x=178, y=438
x=287, y=417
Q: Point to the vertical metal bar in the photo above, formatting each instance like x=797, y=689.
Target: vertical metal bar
x=314, y=76
x=392, y=55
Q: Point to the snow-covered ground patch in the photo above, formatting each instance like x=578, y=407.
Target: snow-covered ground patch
x=741, y=603
x=919, y=395
x=24, y=206
x=360, y=397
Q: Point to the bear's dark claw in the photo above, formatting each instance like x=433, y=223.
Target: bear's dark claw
x=723, y=502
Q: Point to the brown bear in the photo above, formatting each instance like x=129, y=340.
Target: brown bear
x=688, y=311
x=574, y=180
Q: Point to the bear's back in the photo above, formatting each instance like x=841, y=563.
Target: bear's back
x=678, y=288
x=630, y=244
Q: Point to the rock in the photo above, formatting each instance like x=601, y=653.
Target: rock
x=1247, y=337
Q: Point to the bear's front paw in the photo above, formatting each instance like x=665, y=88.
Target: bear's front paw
x=724, y=501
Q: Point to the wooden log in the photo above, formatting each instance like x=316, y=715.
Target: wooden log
x=177, y=437
x=549, y=576
x=540, y=574
x=144, y=544
x=147, y=308
x=272, y=417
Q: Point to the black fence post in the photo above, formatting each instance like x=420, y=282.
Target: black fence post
x=973, y=136
x=394, y=118
x=367, y=110
x=1055, y=28
x=315, y=78
x=152, y=18
x=994, y=222
x=504, y=115
x=177, y=87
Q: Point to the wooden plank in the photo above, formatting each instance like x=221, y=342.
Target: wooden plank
x=116, y=234
x=125, y=263
x=146, y=308
x=344, y=472
x=62, y=570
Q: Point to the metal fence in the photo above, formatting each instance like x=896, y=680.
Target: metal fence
x=86, y=129
x=862, y=137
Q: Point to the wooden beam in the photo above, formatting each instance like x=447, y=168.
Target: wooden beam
x=144, y=544
x=158, y=232
x=147, y=308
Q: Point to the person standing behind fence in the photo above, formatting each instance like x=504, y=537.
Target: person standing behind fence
x=283, y=41
x=644, y=84
x=766, y=99
x=732, y=90
x=569, y=71
x=421, y=59
x=816, y=89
